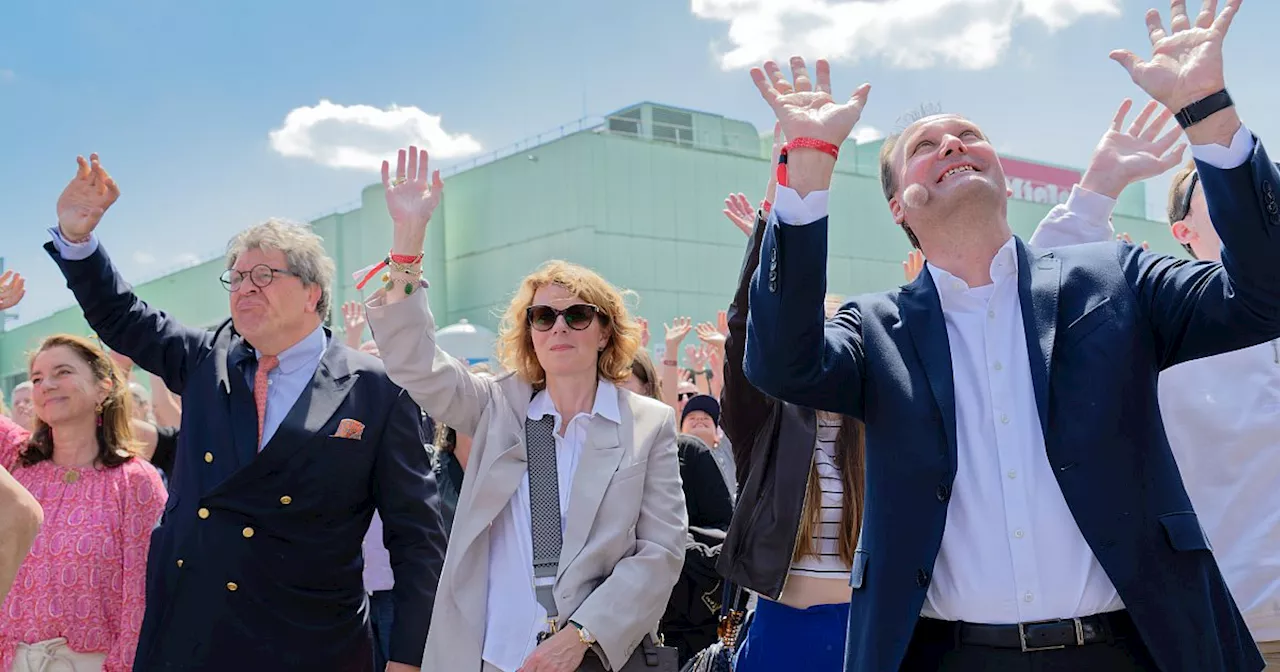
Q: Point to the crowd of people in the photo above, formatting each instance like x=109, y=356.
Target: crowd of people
x=1058, y=454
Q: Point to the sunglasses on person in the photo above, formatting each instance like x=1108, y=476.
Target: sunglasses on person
x=576, y=317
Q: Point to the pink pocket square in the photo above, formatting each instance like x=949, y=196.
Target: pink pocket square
x=349, y=429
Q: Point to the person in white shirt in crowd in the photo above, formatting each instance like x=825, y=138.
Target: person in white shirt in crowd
x=605, y=460
x=1222, y=415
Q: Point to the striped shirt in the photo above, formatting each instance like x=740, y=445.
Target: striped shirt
x=826, y=564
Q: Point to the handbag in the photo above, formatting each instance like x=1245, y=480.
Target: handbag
x=544, y=504
x=53, y=655
x=733, y=624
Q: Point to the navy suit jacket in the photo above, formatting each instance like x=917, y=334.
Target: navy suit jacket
x=1101, y=322
x=256, y=564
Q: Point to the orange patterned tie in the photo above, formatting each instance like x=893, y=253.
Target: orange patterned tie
x=265, y=364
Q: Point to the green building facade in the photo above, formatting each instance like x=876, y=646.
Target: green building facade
x=636, y=197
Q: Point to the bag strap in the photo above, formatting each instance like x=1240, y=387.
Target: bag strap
x=732, y=613
x=544, y=505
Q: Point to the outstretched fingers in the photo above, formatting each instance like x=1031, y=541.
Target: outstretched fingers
x=1118, y=121
x=767, y=91
x=800, y=74
x=1140, y=122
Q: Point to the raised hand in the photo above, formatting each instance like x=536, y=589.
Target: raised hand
x=411, y=198
x=696, y=357
x=806, y=109
x=644, y=331
x=913, y=265
x=722, y=322
x=353, y=322
x=1122, y=158
x=1125, y=238
x=739, y=211
x=676, y=331
x=85, y=199
x=711, y=336
x=12, y=289
x=1186, y=61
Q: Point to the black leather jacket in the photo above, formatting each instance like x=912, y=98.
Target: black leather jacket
x=773, y=444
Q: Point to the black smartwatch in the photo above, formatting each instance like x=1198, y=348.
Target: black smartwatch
x=1201, y=109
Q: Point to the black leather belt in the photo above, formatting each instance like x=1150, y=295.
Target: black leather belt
x=1048, y=635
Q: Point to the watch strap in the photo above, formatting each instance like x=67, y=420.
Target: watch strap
x=1201, y=109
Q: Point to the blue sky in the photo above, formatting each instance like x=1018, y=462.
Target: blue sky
x=181, y=98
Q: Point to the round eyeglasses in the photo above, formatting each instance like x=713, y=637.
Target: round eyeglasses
x=260, y=275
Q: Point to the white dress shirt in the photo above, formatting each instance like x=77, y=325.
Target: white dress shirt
x=513, y=616
x=378, y=576
x=1011, y=551
x=1222, y=417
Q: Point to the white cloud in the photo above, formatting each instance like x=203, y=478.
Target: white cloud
x=862, y=134
x=362, y=136
x=964, y=34
x=187, y=259
x=143, y=257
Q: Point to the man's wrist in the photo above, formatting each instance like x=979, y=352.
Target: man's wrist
x=1216, y=129
x=1100, y=182
x=809, y=170
x=71, y=240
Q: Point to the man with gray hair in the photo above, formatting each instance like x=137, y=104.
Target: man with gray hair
x=21, y=410
x=289, y=442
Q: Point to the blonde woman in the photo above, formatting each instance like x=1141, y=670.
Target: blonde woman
x=568, y=341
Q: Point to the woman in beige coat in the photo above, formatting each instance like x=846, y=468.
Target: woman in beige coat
x=568, y=342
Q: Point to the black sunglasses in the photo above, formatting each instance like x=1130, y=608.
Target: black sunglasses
x=576, y=317
x=260, y=275
x=1191, y=192
x=686, y=396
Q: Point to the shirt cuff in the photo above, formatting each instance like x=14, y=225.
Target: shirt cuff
x=791, y=209
x=1092, y=207
x=73, y=251
x=1226, y=158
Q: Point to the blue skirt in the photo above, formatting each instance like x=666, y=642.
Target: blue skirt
x=785, y=638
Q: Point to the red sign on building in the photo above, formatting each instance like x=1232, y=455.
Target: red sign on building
x=1037, y=182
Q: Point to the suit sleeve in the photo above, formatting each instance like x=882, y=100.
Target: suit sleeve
x=407, y=500
x=152, y=339
x=743, y=408
x=1198, y=309
x=643, y=581
x=792, y=353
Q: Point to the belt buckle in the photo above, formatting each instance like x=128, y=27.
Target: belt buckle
x=1022, y=635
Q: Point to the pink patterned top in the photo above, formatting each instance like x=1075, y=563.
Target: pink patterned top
x=85, y=578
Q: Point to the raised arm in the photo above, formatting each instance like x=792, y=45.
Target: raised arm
x=1201, y=309
x=20, y=513
x=400, y=317
x=791, y=353
x=155, y=341
x=1120, y=159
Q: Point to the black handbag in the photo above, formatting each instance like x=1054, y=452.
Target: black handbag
x=733, y=624
x=648, y=657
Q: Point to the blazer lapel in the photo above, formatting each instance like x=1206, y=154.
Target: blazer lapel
x=599, y=459
x=922, y=313
x=487, y=487
x=315, y=406
x=1039, y=281
x=242, y=415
